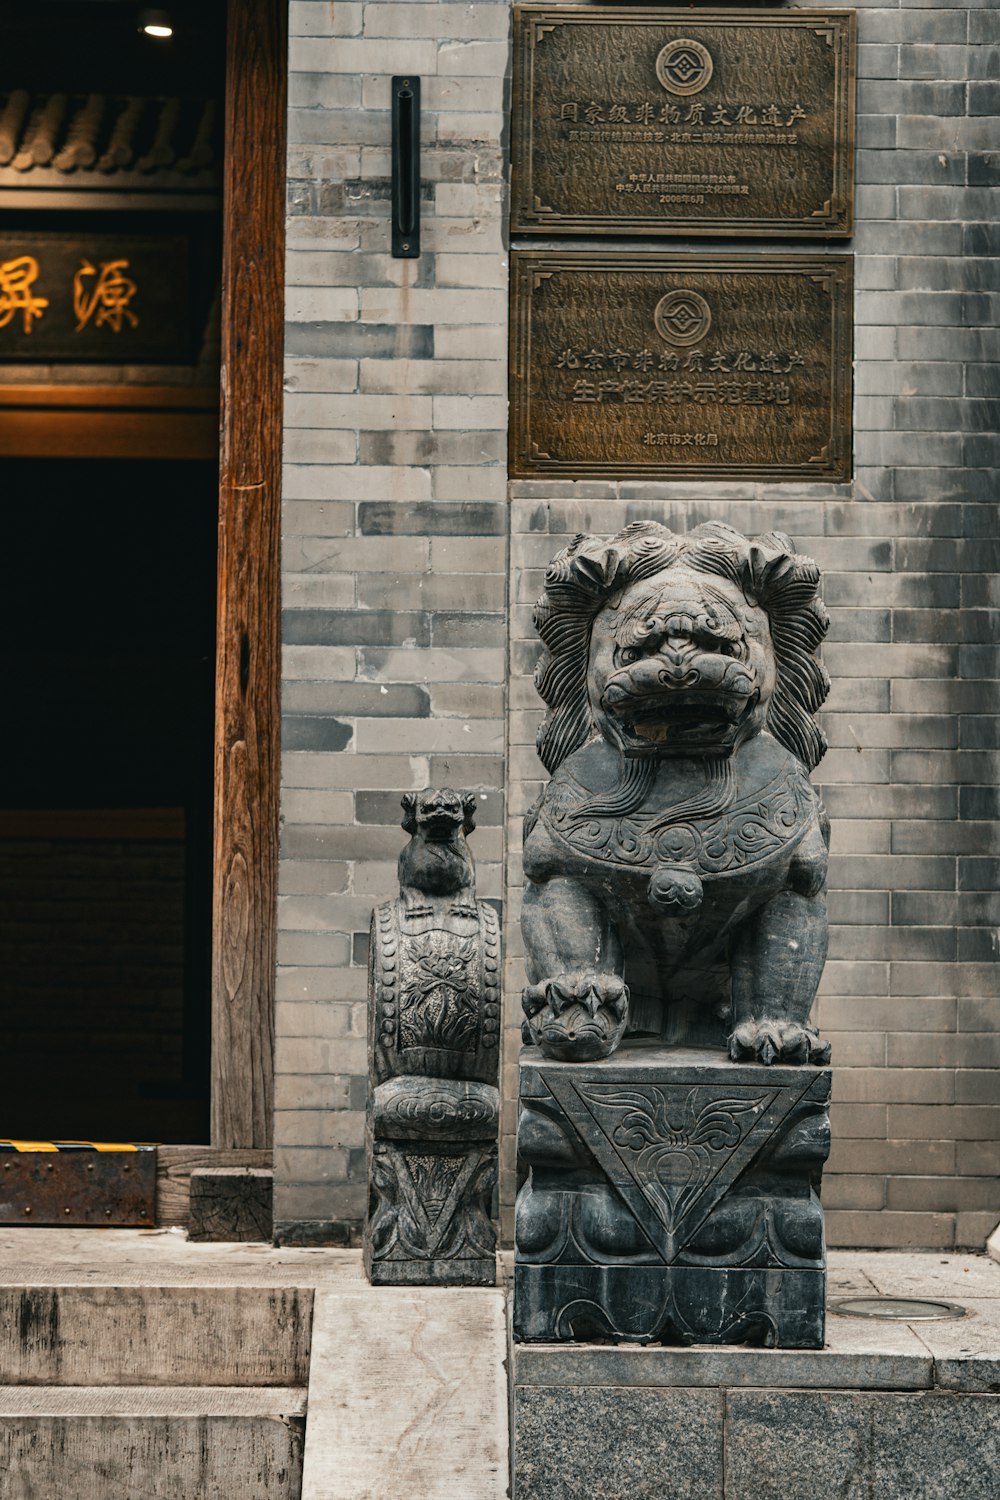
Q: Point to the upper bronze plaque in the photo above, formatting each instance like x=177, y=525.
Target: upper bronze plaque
x=683, y=122
x=680, y=366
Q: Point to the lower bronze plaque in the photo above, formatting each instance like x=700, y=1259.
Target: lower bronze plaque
x=635, y=366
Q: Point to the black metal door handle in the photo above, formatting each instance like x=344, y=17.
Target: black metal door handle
x=405, y=168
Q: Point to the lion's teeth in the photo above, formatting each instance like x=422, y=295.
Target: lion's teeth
x=659, y=733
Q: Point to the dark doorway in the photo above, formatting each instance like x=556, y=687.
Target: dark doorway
x=111, y=186
x=108, y=634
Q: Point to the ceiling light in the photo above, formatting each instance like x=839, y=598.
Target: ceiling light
x=156, y=23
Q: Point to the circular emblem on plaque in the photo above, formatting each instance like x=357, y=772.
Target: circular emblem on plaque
x=684, y=66
x=682, y=318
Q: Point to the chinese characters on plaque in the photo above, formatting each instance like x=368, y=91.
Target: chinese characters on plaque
x=643, y=365
x=646, y=121
x=80, y=297
x=650, y=121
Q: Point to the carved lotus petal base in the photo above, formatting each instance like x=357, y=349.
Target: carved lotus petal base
x=672, y=1196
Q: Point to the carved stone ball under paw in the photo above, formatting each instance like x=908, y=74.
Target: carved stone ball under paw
x=576, y=1017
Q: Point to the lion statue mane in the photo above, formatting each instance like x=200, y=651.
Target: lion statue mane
x=676, y=860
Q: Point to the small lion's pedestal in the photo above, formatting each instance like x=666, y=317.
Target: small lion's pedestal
x=672, y=1197
x=440, y=1198
x=434, y=1104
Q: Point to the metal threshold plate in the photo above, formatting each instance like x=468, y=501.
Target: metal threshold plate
x=77, y=1183
x=899, y=1309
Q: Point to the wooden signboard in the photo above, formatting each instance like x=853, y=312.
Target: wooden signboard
x=84, y=297
x=668, y=366
x=690, y=122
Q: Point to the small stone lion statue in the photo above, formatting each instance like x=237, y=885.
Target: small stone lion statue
x=676, y=861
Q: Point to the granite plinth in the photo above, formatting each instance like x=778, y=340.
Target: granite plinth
x=897, y=1410
x=605, y=1444
x=647, y=1443
x=672, y=1197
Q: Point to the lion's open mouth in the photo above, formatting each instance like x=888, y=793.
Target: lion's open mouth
x=714, y=720
x=440, y=825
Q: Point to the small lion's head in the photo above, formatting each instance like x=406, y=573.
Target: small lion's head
x=438, y=813
x=665, y=645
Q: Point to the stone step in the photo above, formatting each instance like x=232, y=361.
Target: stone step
x=154, y=1335
x=407, y=1395
x=119, y=1442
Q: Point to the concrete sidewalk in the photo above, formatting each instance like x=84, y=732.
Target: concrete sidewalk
x=406, y=1388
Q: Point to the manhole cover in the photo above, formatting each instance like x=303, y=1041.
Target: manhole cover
x=903, y=1309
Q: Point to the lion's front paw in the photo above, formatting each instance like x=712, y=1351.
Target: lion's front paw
x=576, y=1017
x=778, y=1042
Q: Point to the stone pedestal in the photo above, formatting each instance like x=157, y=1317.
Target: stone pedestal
x=672, y=1197
x=431, y=1222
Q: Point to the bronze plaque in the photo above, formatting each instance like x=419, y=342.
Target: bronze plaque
x=688, y=122
x=663, y=366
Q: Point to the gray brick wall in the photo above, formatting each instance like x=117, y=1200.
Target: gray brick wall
x=395, y=554
x=394, y=536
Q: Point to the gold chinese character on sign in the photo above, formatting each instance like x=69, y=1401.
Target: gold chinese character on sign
x=16, y=280
x=105, y=300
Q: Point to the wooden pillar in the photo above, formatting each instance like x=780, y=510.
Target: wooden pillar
x=248, y=640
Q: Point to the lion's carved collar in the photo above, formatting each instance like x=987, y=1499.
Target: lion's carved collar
x=765, y=817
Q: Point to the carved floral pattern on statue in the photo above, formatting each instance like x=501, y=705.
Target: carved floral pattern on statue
x=673, y=1143
x=438, y=1007
x=746, y=833
x=432, y=1205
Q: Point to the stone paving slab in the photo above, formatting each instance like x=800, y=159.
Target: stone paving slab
x=162, y=1257
x=927, y=1274
x=909, y=1366
x=407, y=1395
x=966, y=1352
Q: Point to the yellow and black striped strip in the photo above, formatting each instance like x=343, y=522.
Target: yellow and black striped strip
x=73, y=1146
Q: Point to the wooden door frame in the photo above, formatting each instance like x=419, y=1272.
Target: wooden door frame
x=248, y=653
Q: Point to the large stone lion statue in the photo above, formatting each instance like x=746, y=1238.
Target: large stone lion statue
x=676, y=861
